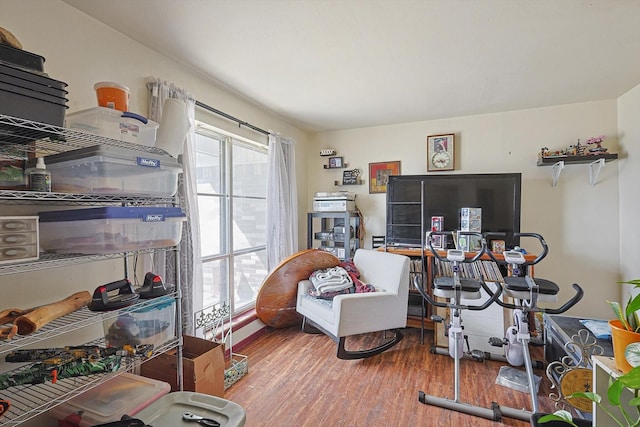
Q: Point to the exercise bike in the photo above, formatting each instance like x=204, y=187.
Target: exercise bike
x=526, y=292
x=455, y=288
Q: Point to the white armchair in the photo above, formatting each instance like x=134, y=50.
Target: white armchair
x=360, y=313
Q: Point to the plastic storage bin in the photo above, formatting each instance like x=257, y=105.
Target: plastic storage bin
x=167, y=411
x=114, y=124
x=110, y=229
x=111, y=170
x=154, y=324
x=125, y=394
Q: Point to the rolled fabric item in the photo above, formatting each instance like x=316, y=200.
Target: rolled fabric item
x=174, y=126
x=6, y=37
x=40, y=316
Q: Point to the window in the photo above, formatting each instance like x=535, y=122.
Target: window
x=232, y=187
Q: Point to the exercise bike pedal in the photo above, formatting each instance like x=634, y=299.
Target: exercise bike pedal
x=437, y=319
x=477, y=355
x=497, y=342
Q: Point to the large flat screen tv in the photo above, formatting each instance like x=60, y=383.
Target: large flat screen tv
x=412, y=199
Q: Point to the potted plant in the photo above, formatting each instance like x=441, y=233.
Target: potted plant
x=630, y=381
x=625, y=328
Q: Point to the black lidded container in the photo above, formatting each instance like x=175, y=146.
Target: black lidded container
x=21, y=58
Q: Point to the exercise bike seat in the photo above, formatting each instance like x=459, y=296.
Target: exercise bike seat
x=443, y=286
x=518, y=287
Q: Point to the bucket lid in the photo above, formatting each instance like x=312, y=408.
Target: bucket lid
x=101, y=85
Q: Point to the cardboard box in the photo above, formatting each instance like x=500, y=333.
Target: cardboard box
x=202, y=363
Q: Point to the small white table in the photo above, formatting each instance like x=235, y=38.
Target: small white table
x=604, y=367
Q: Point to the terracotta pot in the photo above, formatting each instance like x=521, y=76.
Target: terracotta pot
x=621, y=338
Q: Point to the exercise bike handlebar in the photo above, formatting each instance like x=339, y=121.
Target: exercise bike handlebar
x=477, y=255
x=494, y=297
x=567, y=305
x=539, y=257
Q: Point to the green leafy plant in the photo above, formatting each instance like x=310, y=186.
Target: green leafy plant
x=630, y=380
x=629, y=319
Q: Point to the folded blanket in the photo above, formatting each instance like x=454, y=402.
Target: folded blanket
x=330, y=280
x=339, y=280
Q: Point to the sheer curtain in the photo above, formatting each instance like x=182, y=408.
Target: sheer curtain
x=282, y=200
x=190, y=270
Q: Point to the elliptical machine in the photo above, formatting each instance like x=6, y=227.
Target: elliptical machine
x=454, y=289
x=526, y=292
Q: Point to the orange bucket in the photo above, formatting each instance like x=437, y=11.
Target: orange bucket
x=621, y=338
x=112, y=95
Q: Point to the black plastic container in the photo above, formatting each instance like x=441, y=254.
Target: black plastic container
x=11, y=79
x=29, y=95
x=21, y=58
x=31, y=76
x=32, y=93
x=28, y=108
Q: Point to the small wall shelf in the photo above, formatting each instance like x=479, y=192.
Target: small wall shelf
x=340, y=183
x=551, y=160
x=344, y=165
x=595, y=163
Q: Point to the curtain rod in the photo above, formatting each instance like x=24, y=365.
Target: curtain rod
x=227, y=116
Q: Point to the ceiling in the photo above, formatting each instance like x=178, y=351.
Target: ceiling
x=342, y=64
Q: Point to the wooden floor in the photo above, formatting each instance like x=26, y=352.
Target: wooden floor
x=294, y=379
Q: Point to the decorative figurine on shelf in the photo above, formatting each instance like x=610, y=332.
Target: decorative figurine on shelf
x=597, y=141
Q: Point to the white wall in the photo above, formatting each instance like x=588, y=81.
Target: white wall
x=629, y=172
x=579, y=222
x=81, y=51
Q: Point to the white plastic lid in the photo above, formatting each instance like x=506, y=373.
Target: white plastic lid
x=40, y=163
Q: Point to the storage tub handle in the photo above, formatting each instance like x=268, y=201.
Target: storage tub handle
x=135, y=116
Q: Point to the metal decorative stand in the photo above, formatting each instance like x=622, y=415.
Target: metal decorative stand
x=569, y=375
x=214, y=323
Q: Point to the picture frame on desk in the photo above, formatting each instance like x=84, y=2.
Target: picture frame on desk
x=498, y=246
x=437, y=241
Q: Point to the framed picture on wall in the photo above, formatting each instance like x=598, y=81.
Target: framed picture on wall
x=379, y=174
x=441, y=152
x=335, y=162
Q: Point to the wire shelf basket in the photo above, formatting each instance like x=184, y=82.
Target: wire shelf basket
x=214, y=323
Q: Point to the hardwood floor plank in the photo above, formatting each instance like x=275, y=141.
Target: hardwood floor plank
x=295, y=379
